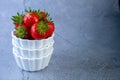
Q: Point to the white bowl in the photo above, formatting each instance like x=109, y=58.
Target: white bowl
x=32, y=53
x=32, y=44
x=32, y=64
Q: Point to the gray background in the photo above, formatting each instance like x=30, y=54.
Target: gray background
x=87, y=40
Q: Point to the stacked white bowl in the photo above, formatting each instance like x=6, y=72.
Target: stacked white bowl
x=32, y=55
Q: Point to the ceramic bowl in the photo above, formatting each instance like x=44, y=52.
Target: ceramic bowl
x=32, y=44
x=32, y=64
x=33, y=53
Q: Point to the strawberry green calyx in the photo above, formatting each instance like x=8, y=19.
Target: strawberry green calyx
x=29, y=10
x=18, y=19
x=42, y=27
x=20, y=32
x=37, y=12
x=40, y=15
x=49, y=19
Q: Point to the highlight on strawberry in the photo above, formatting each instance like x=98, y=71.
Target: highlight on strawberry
x=33, y=25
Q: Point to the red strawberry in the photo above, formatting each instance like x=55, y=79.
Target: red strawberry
x=42, y=15
x=42, y=30
x=30, y=19
x=38, y=30
x=33, y=16
x=22, y=32
x=51, y=29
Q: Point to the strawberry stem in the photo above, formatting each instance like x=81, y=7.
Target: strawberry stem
x=42, y=27
x=48, y=16
x=38, y=12
x=18, y=19
x=20, y=32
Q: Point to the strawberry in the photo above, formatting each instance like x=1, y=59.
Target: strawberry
x=22, y=32
x=38, y=30
x=18, y=19
x=50, y=24
x=30, y=19
x=44, y=15
x=50, y=31
x=34, y=16
x=42, y=30
x=47, y=18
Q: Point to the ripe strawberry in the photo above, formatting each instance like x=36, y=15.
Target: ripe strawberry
x=30, y=19
x=47, y=18
x=38, y=30
x=51, y=29
x=42, y=15
x=18, y=19
x=22, y=32
x=33, y=16
x=50, y=24
x=42, y=30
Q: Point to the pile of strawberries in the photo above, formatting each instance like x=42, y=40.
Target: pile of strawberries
x=33, y=25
